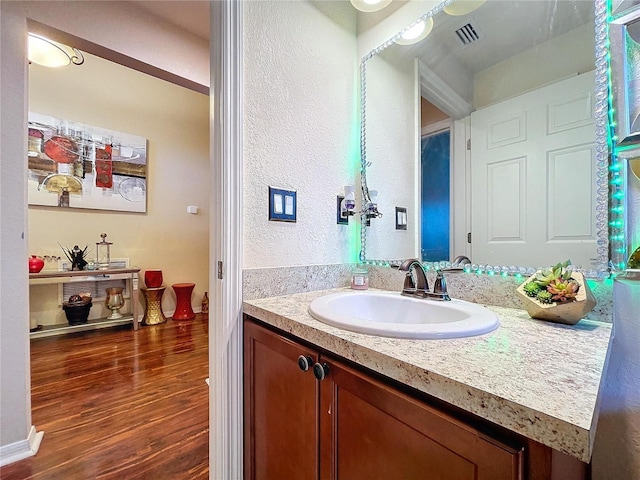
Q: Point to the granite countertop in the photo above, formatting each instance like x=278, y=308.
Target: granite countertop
x=536, y=378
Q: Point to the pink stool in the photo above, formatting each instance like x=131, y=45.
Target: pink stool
x=183, y=301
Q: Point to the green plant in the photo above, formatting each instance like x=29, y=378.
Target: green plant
x=531, y=289
x=544, y=296
x=549, y=275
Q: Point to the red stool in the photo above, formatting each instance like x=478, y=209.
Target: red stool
x=183, y=301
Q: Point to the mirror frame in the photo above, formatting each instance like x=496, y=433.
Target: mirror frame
x=609, y=201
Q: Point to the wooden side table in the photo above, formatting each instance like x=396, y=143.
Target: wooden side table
x=183, y=301
x=153, y=314
x=92, y=278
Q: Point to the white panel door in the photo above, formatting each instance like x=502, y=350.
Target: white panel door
x=533, y=176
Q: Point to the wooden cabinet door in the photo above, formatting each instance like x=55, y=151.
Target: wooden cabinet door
x=280, y=408
x=372, y=431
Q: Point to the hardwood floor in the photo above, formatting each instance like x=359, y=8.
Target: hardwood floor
x=119, y=404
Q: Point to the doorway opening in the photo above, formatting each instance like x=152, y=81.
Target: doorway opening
x=435, y=196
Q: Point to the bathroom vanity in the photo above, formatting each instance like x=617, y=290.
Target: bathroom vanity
x=322, y=402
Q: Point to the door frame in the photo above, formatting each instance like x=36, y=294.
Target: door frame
x=225, y=270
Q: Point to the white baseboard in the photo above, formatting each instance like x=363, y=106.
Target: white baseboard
x=22, y=449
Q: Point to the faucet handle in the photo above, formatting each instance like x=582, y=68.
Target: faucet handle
x=440, y=283
x=440, y=286
x=409, y=284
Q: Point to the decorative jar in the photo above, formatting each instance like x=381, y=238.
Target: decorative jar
x=103, y=253
x=153, y=278
x=114, y=302
x=35, y=264
x=77, y=309
x=359, y=279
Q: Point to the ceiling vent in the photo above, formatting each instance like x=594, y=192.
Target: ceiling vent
x=468, y=34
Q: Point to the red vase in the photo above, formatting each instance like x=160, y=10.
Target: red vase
x=35, y=264
x=153, y=278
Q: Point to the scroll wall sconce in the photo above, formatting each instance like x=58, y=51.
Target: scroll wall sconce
x=346, y=205
x=49, y=53
x=370, y=209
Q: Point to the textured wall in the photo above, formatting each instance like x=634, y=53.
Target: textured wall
x=300, y=132
x=392, y=128
x=15, y=403
x=616, y=453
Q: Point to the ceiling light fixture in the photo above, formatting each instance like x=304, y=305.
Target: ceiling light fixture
x=48, y=53
x=416, y=32
x=370, y=5
x=463, y=7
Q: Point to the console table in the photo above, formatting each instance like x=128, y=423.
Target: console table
x=129, y=274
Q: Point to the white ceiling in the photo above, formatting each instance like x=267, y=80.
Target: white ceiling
x=506, y=27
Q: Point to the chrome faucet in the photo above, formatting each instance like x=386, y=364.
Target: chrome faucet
x=420, y=286
x=458, y=264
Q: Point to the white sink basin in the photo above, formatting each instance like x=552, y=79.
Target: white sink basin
x=390, y=314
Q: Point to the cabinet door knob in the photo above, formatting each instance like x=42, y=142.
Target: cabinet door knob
x=304, y=362
x=320, y=370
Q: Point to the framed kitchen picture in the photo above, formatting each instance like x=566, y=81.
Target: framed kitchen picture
x=74, y=165
x=624, y=32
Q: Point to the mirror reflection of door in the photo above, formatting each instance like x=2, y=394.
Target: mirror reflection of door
x=533, y=167
x=435, y=204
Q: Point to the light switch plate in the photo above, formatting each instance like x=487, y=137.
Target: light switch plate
x=401, y=218
x=282, y=205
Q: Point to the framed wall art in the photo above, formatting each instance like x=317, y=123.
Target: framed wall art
x=80, y=166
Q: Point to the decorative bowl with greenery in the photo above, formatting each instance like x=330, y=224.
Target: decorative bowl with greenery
x=558, y=294
x=553, y=284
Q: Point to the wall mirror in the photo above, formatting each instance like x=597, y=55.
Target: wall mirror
x=491, y=130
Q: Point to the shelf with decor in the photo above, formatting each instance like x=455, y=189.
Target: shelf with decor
x=94, y=282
